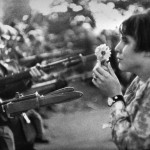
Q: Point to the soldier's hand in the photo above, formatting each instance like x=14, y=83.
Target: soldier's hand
x=39, y=75
x=36, y=73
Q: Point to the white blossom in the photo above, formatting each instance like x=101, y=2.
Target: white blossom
x=102, y=52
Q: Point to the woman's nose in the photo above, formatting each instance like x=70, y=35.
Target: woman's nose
x=118, y=48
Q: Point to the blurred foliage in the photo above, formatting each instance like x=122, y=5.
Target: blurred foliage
x=15, y=10
x=60, y=21
x=124, y=4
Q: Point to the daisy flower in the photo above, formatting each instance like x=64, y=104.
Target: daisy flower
x=102, y=53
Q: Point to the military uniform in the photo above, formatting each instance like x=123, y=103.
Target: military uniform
x=15, y=129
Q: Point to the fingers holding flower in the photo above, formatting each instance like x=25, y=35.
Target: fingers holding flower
x=107, y=83
x=103, y=75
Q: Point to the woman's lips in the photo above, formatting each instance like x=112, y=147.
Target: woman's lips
x=119, y=59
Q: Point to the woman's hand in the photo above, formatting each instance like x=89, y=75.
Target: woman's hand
x=106, y=81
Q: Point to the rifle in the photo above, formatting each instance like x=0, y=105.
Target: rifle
x=34, y=59
x=62, y=80
x=67, y=62
x=47, y=86
x=23, y=103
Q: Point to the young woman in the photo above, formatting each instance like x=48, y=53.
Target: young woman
x=130, y=115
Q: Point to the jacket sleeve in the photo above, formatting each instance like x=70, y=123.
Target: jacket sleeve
x=9, y=90
x=131, y=125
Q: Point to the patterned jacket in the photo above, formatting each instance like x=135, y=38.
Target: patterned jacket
x=131, y=125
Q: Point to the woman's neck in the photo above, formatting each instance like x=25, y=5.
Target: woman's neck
x=144, y=74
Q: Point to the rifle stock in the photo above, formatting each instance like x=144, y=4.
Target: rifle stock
x=67, y=62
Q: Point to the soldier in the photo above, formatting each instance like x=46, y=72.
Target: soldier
x=19, y=132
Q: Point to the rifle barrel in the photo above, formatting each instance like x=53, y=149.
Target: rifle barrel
x=70, y=61
x=67, y=62
x=22, y=98
x=62, y=62
x=34, y=59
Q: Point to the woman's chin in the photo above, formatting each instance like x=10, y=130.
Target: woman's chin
x=122, y=68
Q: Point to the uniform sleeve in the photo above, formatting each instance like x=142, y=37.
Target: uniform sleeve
x=131, y=127
x=8, y=91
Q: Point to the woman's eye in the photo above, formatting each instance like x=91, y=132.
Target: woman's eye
x=125, y=40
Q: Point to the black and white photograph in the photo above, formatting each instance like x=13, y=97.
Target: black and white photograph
x=74, y=75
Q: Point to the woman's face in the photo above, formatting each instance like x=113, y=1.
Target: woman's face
x=128, y=59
